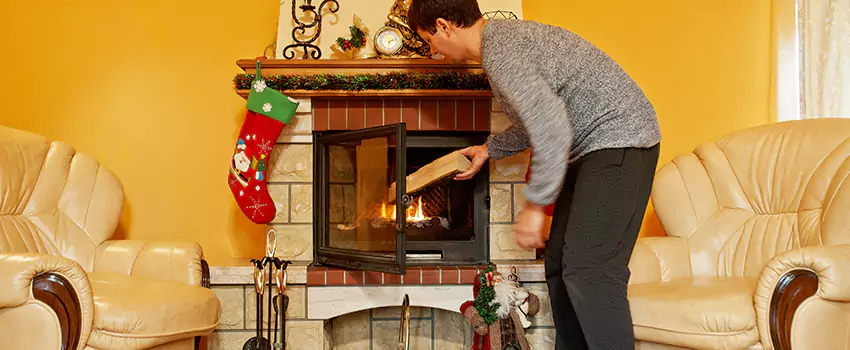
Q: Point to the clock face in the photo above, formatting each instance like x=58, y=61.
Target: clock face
x=388, y=41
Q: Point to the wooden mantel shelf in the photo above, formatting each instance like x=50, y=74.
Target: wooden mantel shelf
x=355, y=65
x=271, y=67
x=424, y=93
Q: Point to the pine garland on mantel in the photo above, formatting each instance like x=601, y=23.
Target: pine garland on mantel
x=442, y=80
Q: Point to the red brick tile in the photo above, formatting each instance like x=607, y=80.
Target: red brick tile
x=413, y=275
x=410, y=114
x=467, y=274
x=316, y=276
x=338, y=113
x=482, y=115
x=446, y=115
x=428, y=115
x=391, y=278
x=451, y=275
x=355, y=114
x=430, y=275
x=374, y=113
x=392, y=112
x=465, y=116
x=374, y=277
x=320, y=115
x=335, y=277
x=354, y=277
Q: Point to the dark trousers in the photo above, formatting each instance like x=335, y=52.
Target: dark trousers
x=596, y=222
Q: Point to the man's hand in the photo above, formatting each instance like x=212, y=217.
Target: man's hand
x=529, y=227
x=479, y=156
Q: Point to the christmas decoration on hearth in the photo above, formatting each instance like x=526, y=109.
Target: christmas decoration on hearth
x=268, y=111
x=310, y=49
x=440, y=80
x=499, y=314
x=358, y=45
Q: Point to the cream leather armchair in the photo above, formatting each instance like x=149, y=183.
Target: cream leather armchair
x=758, y=248
x=63, y=285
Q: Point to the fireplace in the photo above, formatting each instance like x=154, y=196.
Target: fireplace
x=364, y=217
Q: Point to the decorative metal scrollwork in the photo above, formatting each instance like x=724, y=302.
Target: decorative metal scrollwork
x=310, y=50
x=498, y=14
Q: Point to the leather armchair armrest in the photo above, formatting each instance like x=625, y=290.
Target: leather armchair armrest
x=170, y=261
x=659, y=259
x=58, y=282
x=793, y=277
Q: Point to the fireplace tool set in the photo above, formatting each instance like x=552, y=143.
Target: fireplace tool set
x=268, y=270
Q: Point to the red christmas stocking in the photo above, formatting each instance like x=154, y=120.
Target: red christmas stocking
x=268, y=112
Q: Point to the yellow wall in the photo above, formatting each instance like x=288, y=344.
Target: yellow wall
x=145, y=87
x=705, y=65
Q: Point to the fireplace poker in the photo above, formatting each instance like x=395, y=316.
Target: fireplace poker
x=281, y=303
x=258, y=342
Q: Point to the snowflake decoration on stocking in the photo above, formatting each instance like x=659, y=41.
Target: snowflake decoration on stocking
x=259, y=85
x=265, y=146
x=256, y=206
x=267, y=107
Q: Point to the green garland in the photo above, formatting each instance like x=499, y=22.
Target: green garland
x=484, y=301
x=442, y=80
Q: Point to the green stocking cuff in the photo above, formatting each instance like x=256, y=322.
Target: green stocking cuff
x=270, y=102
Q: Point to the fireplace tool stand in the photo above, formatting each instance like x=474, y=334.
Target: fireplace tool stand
x=268, y=270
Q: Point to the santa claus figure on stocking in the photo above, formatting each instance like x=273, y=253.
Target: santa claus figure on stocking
x=499, y=314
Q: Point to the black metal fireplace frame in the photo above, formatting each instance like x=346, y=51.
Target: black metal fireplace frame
x=473, y=252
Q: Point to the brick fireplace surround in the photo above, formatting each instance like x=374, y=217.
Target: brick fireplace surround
x=333, y=308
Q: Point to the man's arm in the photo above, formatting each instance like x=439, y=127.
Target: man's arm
x=507, y=143
x=542, y=112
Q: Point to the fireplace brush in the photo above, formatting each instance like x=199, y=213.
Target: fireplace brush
x=268, y=271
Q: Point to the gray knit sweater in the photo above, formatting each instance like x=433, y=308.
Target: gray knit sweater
x=565, y=97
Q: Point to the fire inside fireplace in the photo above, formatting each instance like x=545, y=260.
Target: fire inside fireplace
x=367, y=218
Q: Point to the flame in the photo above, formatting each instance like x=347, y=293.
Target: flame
x=414, y=213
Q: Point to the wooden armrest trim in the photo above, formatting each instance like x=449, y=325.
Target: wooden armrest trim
x=201, y=342
x=205, y=274
x=58, y=293
x=793, y=288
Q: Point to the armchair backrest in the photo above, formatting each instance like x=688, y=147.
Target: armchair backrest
x=54, y=200
x=758, y=193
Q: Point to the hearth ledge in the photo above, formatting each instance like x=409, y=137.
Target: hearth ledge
x=325, y=303
x=528, y=271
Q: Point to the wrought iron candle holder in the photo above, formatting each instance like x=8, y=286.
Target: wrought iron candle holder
x=310, y=49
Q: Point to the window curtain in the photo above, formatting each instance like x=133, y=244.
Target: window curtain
x=824, y=34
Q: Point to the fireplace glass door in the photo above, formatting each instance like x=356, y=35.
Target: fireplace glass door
x=383, y=203
x=359, y=221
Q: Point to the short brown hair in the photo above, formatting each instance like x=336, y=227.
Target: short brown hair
x=423, y=14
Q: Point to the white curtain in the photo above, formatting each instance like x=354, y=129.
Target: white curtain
x=824, y=34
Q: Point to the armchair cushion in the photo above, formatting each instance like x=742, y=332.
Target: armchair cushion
x=699, y=312
x=657, y=259
x=170, y=261
x=133, y=312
